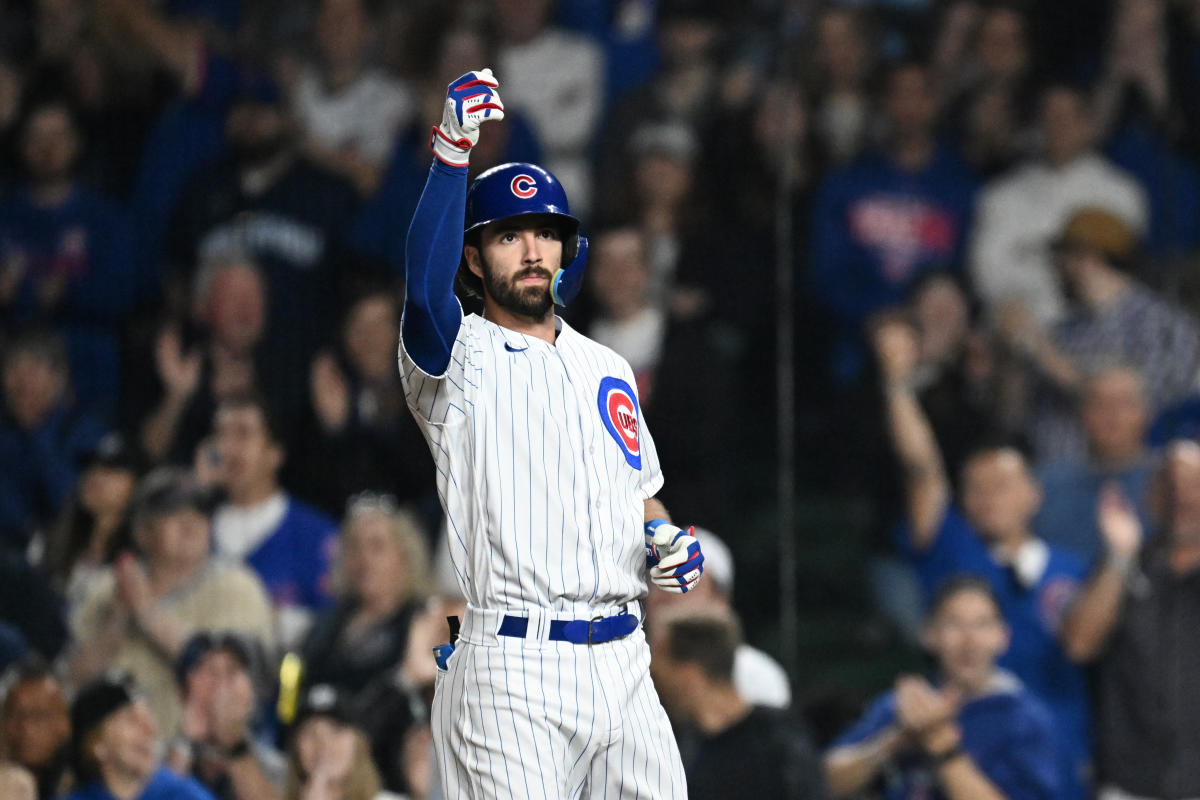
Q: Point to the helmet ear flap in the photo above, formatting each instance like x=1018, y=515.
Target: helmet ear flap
x=569, y=280
x=570, y=247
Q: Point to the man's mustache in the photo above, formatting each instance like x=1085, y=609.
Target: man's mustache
x=532, y=272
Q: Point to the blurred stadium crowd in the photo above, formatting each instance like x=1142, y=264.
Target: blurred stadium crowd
x=220, y=541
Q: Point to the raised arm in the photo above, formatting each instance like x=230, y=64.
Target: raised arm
x=1090, y=621
x=927, y=490
x=432, y=314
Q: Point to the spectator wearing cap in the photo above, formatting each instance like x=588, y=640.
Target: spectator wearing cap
x=289, y=215
x=43, y=435
x=215, y=743
x=329, y=757
x=683, y=88
x=889, y=217
x=68, y=253
x=1111, y=319
x=972, y=733
x=1022, y=212
x=287, y=543
x=36, y=728
x=139, y=616
x=95, y=525
x=114, y=744
x=742, y=750
x=756, y=676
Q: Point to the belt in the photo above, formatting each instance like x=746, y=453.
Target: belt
x=577, y=631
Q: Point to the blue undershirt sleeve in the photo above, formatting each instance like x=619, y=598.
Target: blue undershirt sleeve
x=432, y=314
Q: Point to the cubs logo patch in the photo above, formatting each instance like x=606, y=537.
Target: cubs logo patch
x=619, y=410
x=523, y=186
x=1056, y=596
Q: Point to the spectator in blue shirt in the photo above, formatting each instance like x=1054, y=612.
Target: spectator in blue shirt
x=43, y=436
x=1115, y=414
x=289, y=544
x=889, y=217
x=115, y=748
x=66, y=253
x=990, y=537
x=975, y=733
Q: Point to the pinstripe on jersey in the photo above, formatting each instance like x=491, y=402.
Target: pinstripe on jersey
x=543, y=474
x=544, y=508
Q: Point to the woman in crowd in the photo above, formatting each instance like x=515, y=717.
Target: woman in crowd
x=381, y=579
x=94, y=527
x=141, y=612
x=329, y=758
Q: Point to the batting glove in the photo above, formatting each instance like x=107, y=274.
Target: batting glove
x=470, y=101
x=673, y=556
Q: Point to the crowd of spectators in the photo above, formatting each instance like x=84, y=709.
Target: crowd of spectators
x=221, y=555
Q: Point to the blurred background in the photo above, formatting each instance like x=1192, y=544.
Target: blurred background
x=797, y=209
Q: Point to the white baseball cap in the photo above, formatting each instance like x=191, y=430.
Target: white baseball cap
x=718, y=560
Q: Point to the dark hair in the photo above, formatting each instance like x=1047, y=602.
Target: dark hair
x=72, y=534
x=958, y=584
x=201, y=644
x=167, y=490
x=973, y=305
x=42, y=344
x=254, y=399
x=465, y=281
x=49, y=91
x=94, y=703
x=31, y=669
x=991, y=443
x=1059, y=84
x=708, y=639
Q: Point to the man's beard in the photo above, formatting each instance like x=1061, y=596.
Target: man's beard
x=528, y=301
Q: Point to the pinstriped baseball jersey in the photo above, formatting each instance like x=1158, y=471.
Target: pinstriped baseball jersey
x=543, y=466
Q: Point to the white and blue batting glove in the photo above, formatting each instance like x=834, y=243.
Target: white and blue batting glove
x=673, y=556
x=470, y=101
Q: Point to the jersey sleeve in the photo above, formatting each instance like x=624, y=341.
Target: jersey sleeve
x=955, y=550
x=442, y=399
x=880, y=714
x=432, y=314
x=652, y=475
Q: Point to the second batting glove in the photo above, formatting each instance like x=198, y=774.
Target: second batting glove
x=673, y=556
x=470, y=101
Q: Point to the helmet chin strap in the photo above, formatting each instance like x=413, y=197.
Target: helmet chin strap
x=565, y=285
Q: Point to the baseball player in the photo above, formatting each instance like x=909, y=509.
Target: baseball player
x=548, y=478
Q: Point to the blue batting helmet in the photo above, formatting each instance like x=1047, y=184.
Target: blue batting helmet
x=516, y=189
